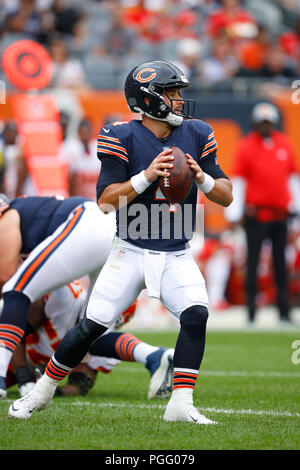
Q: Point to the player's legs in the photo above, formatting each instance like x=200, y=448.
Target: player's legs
x=278, y=235
x=255, y=234
x=183, y=293
x=79, y=246
x=126, y=347
x=116, y=288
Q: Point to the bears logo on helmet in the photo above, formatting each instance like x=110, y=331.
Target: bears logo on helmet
x=143, y=76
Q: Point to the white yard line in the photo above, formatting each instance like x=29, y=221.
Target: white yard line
x=238, y=373
x=222, y=373
x=230, y=411
x=212, y=410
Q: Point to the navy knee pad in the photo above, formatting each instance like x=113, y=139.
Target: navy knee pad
x=190, y=344
x=15, y=309
x=76, y=342
x=194, y=317
x=89, y=330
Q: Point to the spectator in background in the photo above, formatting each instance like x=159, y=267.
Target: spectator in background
x=64, y=120
x=189, y=52
x=2, y=189
x=152, y=24
x=231, y=18
x=277, y=67
x=80, y=154
x=17, y=181
x=118, y=41
x=289, y=41
x=25, y=19
x=80, y=42
x=187, y=24
x=65, y=16
x=68, y=72
x=222, y=65
x=265, y=190
x=253, y=52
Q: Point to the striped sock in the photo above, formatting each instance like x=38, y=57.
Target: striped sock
x=10, y=336
x=184, y=378
x=56, y=371
x=125, y=346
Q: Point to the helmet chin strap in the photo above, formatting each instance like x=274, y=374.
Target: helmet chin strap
x=173, y=119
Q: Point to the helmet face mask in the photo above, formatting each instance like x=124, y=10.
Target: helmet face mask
x=152, y=80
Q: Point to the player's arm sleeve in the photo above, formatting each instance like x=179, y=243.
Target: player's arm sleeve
x=208, y=160
x=209, y=164
x=112, y=171
x=114, y=160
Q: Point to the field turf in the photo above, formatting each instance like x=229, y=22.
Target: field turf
x=248, y=384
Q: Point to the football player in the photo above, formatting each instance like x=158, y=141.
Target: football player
x=52, y=316
x=134, y=155
x=60, y=240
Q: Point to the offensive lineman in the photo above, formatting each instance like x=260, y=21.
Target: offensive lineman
x=133, y=156
x=61, y=239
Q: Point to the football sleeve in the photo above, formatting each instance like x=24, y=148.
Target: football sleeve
x=208, y=160
x=210, y=165
x=108, y=144
x=112, y=171
x=114, y=159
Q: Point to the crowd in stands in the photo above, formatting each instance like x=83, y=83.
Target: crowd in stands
x=95, y=43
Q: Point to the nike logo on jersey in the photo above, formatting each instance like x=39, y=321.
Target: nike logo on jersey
x=106, y=130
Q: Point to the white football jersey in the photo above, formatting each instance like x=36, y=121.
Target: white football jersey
x=63, y=307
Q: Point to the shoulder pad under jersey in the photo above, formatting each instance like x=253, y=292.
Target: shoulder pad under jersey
x=119, y=129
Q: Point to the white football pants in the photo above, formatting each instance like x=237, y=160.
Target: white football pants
x=177, y=281
x=79, y=246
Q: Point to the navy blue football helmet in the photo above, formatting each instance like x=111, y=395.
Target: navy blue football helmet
x=152, y=79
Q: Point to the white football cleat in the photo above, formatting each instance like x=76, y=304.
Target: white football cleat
x=161, y=382
x=24, y=407
x=26, y=388
x=186, y=413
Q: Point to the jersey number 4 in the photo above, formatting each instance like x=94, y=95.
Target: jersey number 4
x=158, y=196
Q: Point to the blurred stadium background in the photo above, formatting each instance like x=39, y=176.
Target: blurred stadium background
x=92, y=45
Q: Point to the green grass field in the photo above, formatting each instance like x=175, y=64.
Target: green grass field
x=248, y=384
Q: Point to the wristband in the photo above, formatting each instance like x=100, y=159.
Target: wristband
x=207, y=184
x=139, y=182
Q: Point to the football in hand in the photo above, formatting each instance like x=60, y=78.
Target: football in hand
x=178, y=185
